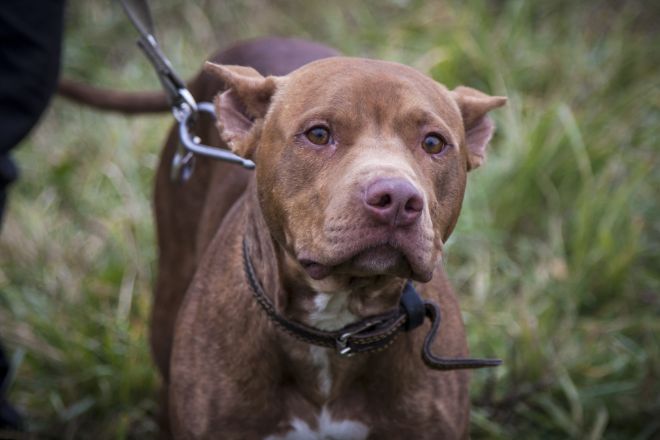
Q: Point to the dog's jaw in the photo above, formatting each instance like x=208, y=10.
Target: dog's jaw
x=337, y=299
x=368, y=252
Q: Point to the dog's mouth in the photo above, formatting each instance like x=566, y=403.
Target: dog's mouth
x=378, y=260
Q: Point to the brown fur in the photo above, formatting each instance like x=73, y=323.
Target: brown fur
x=228, y=372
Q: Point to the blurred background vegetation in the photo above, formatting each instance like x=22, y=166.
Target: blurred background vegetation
x=556, y=257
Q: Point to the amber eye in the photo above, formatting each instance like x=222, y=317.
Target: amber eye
x=433, y=144
x=318, y=135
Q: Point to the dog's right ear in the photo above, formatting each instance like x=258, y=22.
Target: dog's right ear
x=240, y=108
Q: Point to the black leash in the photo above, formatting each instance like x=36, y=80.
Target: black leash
x=184, y=107
x=370, y=334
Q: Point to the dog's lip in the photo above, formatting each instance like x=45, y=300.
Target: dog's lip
x=315, y=270
x=318, y=270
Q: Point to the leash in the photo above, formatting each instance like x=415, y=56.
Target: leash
x=184, y=107
x=370, y=334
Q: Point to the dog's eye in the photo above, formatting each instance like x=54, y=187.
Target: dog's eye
x=433, y=144
x=318, y=135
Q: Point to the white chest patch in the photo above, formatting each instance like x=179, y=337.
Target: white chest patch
x=328, y=429
x=331, y=311
x=321, y=360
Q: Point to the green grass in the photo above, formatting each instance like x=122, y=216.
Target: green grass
x=556, y=257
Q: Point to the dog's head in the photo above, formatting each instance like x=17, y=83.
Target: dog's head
x=361, y=164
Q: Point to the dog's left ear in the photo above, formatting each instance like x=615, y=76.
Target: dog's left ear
x=479, y=127
x=240, y=107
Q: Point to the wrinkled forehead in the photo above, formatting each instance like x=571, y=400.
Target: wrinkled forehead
x=356, y=88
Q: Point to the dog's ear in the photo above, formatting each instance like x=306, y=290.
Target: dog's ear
x=479, y=127
x=245, y=101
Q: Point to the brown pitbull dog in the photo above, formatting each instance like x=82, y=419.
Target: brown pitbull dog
x=361, y=170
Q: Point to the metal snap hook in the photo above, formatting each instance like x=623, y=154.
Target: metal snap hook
x=183, y=161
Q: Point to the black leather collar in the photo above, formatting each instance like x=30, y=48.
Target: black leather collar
x=370, y=334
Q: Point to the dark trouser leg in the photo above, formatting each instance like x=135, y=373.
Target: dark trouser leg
x=30, y=45
x=8, y=173
x=9, y=417
x=30, y=42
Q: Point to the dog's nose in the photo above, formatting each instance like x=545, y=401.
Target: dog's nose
x=393, y=201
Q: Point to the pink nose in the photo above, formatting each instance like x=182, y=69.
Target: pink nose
x=393, y=201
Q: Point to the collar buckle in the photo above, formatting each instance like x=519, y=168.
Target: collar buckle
x=343, y=349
